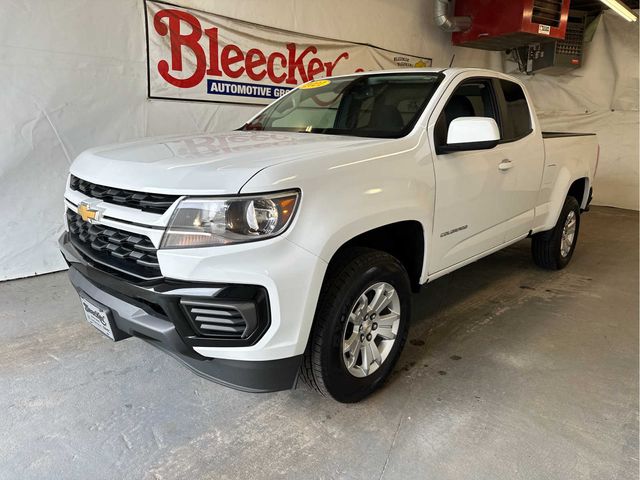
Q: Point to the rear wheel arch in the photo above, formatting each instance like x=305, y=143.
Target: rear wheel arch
x=579, y=190
x=564, y=187
x=553, y=249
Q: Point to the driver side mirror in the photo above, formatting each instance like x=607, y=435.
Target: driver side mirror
x=471, y=133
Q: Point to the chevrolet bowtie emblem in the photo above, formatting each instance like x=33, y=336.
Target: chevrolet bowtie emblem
x=88, y=212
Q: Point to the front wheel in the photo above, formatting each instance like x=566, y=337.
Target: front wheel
x=361, y=325
x=553, y=249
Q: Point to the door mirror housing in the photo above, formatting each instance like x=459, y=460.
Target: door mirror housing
x=471, y=133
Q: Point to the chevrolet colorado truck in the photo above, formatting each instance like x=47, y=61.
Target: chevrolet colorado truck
x=289, y=249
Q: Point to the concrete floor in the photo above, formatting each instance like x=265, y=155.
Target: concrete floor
x=511, y=373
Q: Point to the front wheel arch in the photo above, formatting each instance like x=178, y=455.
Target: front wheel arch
x=323, y=368
x=403, y=240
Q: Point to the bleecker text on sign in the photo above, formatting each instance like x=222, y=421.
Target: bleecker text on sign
x=196, y=55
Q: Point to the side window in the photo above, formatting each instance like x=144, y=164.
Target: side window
x=472, y=98
x=517, y=121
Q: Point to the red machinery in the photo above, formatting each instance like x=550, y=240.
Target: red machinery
x=507, y=24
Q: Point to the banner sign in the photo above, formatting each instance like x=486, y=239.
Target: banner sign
x=193, y=55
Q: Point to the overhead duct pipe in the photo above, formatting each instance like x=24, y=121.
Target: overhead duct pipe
x=445, y=21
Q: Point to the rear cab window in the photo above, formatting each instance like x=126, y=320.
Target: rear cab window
x=516, y=116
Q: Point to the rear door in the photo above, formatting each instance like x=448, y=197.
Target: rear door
x=522, y=154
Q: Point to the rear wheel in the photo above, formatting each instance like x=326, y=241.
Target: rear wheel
x=553, y=249
x=361, y=325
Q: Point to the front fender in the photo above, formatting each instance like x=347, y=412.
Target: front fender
x=345, y=197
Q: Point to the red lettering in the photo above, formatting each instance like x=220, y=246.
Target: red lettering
x=251, y=64
x=315, y=67
x=330, y=66
x=177, y=41
x=214, y=68
x=230, y=55
x=291, y=67
x=298, y=63
x=271, y=69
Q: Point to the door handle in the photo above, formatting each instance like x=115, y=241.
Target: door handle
x=505, y=165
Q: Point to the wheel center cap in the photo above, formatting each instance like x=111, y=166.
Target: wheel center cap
x=367, y=325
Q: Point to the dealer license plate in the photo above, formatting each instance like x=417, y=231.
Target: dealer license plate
x=98, y=317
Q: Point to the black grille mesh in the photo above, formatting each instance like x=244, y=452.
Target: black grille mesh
x=147, y=202
x=547, y=12
x=123, y=251
x=214, y=319
x=573, y=40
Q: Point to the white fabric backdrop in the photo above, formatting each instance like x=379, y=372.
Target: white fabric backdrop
x=72, y=76
x=600, y=97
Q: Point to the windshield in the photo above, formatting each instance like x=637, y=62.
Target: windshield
x=385, y=105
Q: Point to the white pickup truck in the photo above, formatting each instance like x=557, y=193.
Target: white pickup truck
x=289, y=248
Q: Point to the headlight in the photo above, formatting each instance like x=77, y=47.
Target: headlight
x=207, y=222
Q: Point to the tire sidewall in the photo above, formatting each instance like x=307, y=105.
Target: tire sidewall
x=339, y=382
x=571, y=204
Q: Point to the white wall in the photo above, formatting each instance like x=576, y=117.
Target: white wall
x=73, y=75
x=600, y=97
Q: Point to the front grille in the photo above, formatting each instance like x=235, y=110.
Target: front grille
x=147, y=202
x=215, y=319
x=547, y=12
x=117, y=249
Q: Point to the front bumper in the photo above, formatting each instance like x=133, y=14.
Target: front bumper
x=151, y=311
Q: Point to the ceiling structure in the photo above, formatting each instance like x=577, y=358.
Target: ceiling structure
x=595, y=6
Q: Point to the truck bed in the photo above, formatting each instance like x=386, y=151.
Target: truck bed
x=576, y=152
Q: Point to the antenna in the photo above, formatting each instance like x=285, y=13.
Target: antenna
x=452, y=59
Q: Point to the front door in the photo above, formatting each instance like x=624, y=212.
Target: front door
x=470, y=195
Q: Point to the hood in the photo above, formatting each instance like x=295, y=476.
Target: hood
x=204, y=164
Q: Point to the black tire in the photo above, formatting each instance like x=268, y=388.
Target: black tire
x=546, y=246
x=349, y=275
